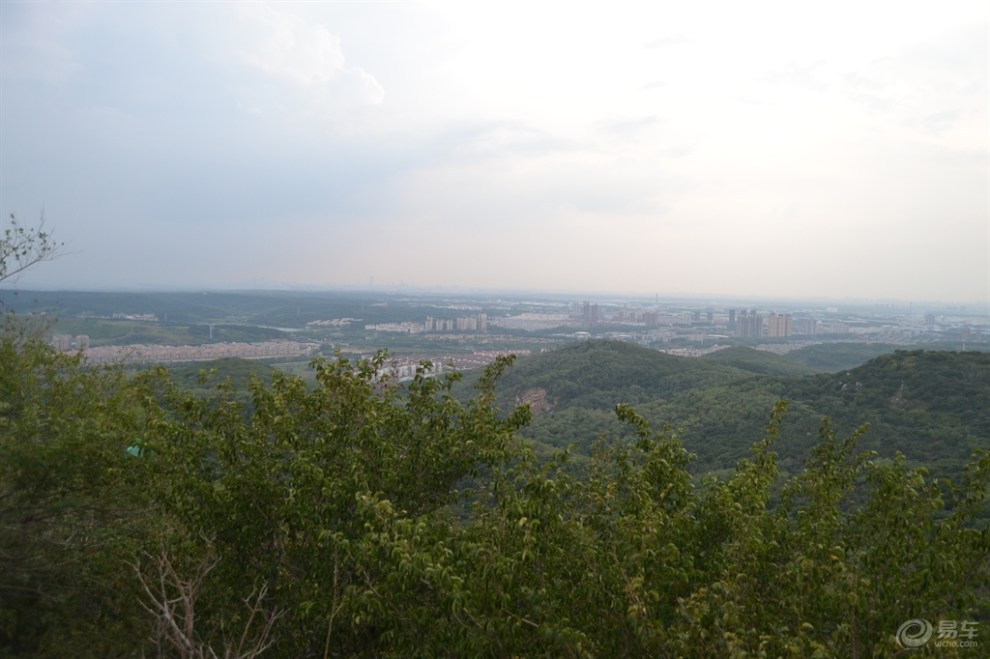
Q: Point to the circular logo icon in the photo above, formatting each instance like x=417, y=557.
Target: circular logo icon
x=914, y=633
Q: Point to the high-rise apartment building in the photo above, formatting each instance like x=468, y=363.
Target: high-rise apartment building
x=749, y=324
x=591, y=315
x=778, y=325
x=477, y=323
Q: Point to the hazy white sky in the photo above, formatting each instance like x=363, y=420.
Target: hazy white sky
x=837, y=149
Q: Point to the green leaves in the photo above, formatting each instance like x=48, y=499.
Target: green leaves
x=326, y=494
x=71, y=509
x=364, y=517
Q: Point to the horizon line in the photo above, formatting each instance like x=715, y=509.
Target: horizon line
x=400, y=289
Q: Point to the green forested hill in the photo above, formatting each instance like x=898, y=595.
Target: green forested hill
x=205, y=376
x=351, y=518
x=128, y=332
x=832, y=357
x=599, y=374
x=758, y=362
x=931, y=406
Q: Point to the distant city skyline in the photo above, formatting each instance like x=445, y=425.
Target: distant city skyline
x=770, y=150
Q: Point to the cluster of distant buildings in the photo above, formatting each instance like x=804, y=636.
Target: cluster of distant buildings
x=741, y=323
x=67, y=342
x=688, y=327
x=404, y=368
x=477, y=324
x=332, y=322
x=753, y=325
x=653, y=324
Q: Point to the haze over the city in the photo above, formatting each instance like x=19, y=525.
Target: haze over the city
x=775, y=149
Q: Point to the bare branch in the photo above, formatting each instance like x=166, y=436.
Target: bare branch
x=22, y=247
x=172, y=602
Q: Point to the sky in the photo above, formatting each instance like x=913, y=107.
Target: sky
x=774, y=149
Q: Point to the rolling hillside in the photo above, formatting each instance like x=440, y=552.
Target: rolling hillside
x=931, y=406
x=832, y=357
x=758, y=362
x=599, y=374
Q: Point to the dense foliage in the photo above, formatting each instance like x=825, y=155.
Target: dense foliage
x=600, y=374
x=931, y=406
x=202, y=377
x=364, y=518
x=71, y=510
x=759, y=362
x=833, y=357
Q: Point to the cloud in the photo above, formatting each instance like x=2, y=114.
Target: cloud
x=307, y=56
x=480, y=140
x=34, y=42
x=665, y=42
x=628, y=129
x=635, y=137
x=938, y=122
x=806, y=76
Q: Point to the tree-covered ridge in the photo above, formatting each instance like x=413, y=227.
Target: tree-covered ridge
x=758, y=362
x=932, y=383
x=833, y=357
x=204, y=376
x=932, y=401
x=600, y=374
x=361, y=518
x=928, y=405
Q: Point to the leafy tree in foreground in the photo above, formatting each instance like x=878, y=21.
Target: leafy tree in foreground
x=364, y=518
x=71, y=514
x=342, y=504
x=286, y=493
